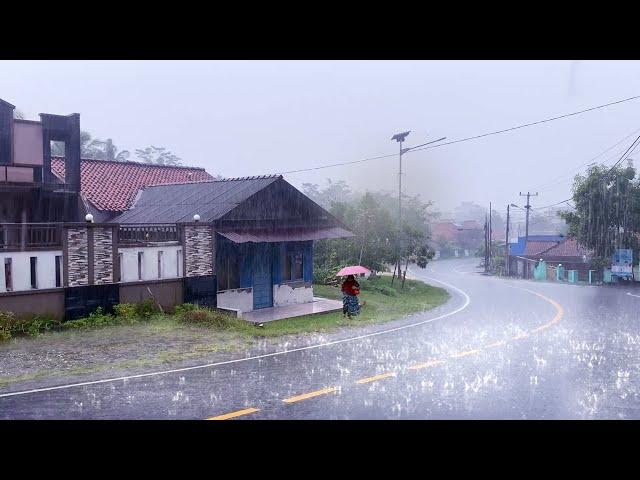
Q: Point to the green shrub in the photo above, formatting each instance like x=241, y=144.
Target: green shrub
x=206, y=317
x=6, y=323
x=146, y=309
x=185, y=307
x=7, y=320
x=376, y=285
x=126, y=311
x=26, y=324
x=96, y=318
x=4, y=334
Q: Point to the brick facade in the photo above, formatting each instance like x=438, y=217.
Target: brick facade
x=198, y=250
x=78, y=256
x=103, y=255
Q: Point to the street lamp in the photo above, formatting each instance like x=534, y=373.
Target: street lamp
x=400, y=137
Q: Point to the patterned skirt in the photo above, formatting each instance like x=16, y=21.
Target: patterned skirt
x=350, y=304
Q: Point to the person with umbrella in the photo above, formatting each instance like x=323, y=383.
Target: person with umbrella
x=351, y=290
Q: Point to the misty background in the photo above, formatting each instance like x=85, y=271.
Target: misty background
x=238, y=118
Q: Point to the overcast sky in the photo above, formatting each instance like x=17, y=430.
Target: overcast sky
x=255, y=117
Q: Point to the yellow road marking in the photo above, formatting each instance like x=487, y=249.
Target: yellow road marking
x=465, y=354
x=521, y=335
x=430, y=363
x=235, y=414
x=540, y=328
x=305, y=396
x=376, y=377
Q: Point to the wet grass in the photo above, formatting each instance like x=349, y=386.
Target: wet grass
x=383, y=302
x=165, y=339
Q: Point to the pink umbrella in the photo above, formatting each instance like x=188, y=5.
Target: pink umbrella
x=353, y=270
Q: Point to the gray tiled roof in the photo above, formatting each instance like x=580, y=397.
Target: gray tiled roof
x=179, y=202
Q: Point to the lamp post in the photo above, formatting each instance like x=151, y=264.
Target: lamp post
x=400, y=138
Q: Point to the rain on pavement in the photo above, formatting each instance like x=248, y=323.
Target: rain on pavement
x=499, y=349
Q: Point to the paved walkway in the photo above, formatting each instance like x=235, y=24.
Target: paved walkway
x=319, y=305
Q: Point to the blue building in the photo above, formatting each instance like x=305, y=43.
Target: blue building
x=265, y=229
x=524, y=253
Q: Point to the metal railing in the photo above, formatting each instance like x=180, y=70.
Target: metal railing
x=128, y=234
x=30, y=235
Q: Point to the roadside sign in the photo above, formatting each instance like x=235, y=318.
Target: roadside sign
x=622, y=261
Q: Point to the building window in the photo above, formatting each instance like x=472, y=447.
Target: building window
x=58, y=270
x=140, y=265
x=160, y=255
x=178, y=262
x=8, y=280
x=293, y=267
x=120, y=265
x=34, y=271
x=228, y=273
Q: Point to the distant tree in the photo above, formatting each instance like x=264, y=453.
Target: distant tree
x=112, y=153
x=607, y=210
x=158, y=156
x=18, y=115
x=90, y=147
x=372, y=217
x=312, y=191
x=416, y=249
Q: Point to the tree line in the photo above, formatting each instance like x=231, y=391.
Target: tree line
x=373, y=218
x=606, y=215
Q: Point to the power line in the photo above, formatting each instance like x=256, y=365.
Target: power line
x=563, y=177
x=624, y=156
x=475, y=137
x=530, y=124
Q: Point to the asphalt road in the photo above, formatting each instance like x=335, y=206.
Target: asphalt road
x=499, y=349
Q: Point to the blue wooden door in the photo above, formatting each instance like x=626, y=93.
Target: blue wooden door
x=261, y=276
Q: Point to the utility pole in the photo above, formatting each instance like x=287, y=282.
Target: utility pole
x=399, y=137
x=486, y=231
x=528, y=207
x=490, y=235
x=506, y=255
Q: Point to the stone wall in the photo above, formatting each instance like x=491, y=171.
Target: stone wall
x=198, y=250
x=103, y=255
x=77, y=258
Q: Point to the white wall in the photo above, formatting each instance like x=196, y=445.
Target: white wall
x=285, y=295
x=21, y=269
x=129, y=269
x=240, y=299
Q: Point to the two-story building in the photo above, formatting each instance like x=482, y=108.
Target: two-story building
x=174, y=233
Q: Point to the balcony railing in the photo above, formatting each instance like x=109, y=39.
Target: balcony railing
x=136, y=234
x=26, y=236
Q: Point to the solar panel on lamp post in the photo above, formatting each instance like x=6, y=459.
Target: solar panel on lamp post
x=400, y=137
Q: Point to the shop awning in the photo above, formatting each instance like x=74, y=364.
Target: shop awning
x=285, y=234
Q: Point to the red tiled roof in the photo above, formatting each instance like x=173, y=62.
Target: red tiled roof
x=568, y=248
x=112, y=186
x=537, y=247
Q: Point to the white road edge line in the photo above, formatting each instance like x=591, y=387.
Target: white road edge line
x=273, y=354
x=631, y=294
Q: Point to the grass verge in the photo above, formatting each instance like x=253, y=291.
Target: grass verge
x=143, y=337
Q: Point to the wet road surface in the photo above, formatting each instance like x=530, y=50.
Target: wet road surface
x=499, y=349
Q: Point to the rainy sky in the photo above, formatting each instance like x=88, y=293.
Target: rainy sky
x=238, y=118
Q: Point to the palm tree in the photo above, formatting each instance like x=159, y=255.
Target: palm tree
x=111, y=152
x=158, y=155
